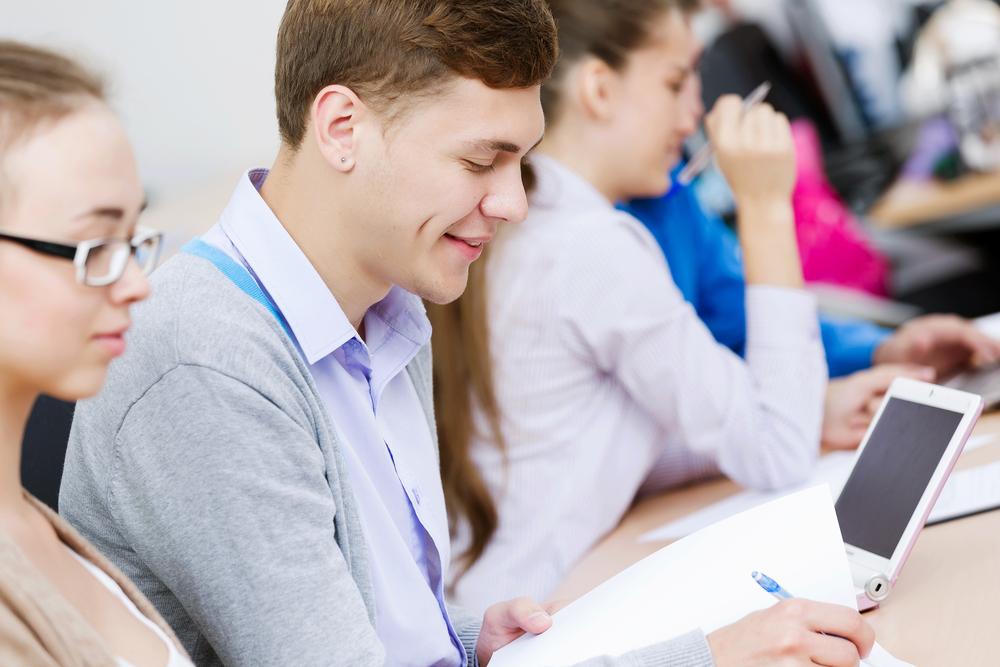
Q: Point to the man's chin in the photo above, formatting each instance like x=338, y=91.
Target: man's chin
x=444, y=291
x=443, y=298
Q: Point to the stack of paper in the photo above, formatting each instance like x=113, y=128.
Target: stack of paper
x=703, y=581
x=968, y=492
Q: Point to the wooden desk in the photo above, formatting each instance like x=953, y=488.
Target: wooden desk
x=912, y=204
x=943, y=611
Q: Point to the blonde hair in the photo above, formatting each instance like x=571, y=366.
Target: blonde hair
x=38, y=86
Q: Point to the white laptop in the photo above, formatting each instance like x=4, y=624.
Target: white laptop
x=984, y=381
x=901, y=465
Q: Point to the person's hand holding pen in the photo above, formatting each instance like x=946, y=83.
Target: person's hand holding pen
x=793, y=632
x=700, y=160
x=754, y=150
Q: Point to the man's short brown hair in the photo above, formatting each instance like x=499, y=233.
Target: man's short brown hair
x=385, y=50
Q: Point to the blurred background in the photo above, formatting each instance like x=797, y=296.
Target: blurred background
x=897, y=104
x=192, y=81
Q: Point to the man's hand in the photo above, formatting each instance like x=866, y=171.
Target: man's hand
x=789, y=634
x=851, y=402
x=506, y=621
x=946, y=342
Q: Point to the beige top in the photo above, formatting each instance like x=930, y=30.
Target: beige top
x=38, y=627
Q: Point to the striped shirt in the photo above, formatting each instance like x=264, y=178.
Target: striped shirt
x=606, y=376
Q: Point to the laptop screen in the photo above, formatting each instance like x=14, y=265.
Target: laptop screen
x=892, y=474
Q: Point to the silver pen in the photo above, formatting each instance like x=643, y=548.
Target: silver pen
x=703, y=157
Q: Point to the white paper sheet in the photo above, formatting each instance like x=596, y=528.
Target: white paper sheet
x=977, y=441
x=702, y=581
x=967, y=492
x=832, y=469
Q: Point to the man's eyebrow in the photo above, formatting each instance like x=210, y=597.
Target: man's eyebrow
x=498, y=145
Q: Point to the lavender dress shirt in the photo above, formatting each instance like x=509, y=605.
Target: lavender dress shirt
x=391, y=462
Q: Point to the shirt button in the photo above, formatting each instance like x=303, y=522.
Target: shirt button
x=416, y=494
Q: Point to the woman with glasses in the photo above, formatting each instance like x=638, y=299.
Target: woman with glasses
x=72, y=262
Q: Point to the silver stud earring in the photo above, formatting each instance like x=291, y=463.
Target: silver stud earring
x=343, y=159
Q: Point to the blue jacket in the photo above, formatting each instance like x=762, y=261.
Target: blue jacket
x=705, y=261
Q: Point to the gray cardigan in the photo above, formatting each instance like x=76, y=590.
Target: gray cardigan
x=208, y=470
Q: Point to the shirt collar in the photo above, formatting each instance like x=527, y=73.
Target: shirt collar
x=561, y=188
x=313, y=314
x=400, y=312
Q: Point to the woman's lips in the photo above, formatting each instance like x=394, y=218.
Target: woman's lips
x=113, y=343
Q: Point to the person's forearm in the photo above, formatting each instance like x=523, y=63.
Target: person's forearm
x=678, y=465
x=773, y=432
x=767, y=236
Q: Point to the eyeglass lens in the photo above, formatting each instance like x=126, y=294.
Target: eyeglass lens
x=106, y=262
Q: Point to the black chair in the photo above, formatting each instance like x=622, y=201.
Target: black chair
x=742, y=57
x=859, y=162
x=44, y=450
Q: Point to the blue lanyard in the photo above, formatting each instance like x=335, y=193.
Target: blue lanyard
x=239, y=276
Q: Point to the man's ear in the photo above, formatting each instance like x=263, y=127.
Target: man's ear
x=595, y=87
x=336, y=114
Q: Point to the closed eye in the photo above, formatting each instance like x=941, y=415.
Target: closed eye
x=478, y=167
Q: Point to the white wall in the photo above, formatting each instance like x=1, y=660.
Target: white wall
x=192, y=80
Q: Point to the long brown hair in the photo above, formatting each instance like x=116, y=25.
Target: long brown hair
x=463, y=380
x=463, y=366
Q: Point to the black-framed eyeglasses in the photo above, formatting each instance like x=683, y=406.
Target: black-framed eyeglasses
x=100, y=262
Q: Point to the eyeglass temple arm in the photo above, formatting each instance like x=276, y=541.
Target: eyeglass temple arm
x=57, y=249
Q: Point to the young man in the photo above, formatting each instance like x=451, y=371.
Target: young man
x=263, y=462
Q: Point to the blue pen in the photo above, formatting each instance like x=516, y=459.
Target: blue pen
x=771, y=586
x=775, y=589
